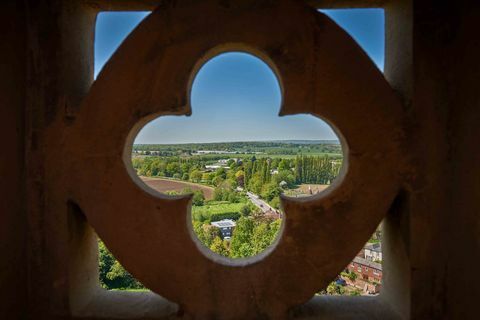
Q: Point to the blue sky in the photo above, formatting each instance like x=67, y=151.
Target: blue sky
x=235, y=96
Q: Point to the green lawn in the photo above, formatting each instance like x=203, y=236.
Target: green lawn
x=215, y=207
x=268, y=155
x=292, y=156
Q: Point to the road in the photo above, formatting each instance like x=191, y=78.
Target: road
x=264, y=206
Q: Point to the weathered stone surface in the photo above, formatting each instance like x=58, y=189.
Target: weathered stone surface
x=432, y=238
x=322, y=71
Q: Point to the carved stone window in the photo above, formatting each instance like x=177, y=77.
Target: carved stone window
x=322, y=72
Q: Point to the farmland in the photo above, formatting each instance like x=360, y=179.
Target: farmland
x=306, y=190
x=164, y=185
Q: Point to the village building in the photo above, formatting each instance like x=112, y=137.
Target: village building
x=213, y=167
x=369, y=275
x=373, y=252
x=226, y=227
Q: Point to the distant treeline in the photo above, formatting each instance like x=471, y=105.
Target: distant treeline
x=289, y=172
x=270, y=147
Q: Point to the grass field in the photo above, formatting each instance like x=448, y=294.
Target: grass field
x=267, y=155
x=292, y=156
x=215, y=207
x=164, y=185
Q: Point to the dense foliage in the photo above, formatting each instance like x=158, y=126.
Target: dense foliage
x=266, y=177
x=112, y=274
x=250, y=237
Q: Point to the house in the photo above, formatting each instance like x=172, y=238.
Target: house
x=369, y=275
x=226, y=227
x=373, y=252
x=214, y=167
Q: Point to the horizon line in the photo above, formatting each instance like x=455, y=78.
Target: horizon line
x=239, y=141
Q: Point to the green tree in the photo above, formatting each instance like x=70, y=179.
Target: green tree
x=105, y=261
x=283, y=165
x=255, y=184
x=220, y=172
x=172, y=168
x=231, y=163
x=218, y=246
x=195, y=176
x=275, y=202
x=240, y=176
x=335, y=289
x=270, y=191
x=198, y=198
x=245, y=210
x=286, y=176
x=207, y=177
x=121, y=279
x=112, y=274
x=352, y=276
x=240, y=245
x=261, y=238
x=205, y=233
x=273, y=230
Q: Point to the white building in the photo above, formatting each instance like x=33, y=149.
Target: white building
x=373, y=251
x=226, y=227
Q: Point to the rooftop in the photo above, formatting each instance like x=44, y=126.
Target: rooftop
x=226, y=223
x=374, y=247
x=368, y=263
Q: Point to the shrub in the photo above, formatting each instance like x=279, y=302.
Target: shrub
x=355, y=292
x=352, y=276
x=245, y=210
x=225, y=215
x=200, y=216
x=275, y=202
x=198, y=198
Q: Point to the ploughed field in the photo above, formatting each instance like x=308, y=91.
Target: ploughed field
x=164, y=185
x=306, y=189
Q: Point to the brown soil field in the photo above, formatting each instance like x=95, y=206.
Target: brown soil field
x=315, y=188
x=163, y=185
x=303, y=190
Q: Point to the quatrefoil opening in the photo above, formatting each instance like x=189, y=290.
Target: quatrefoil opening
x=236, y=157
x=323, y=72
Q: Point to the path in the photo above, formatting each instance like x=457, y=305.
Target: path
x=264, y=206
